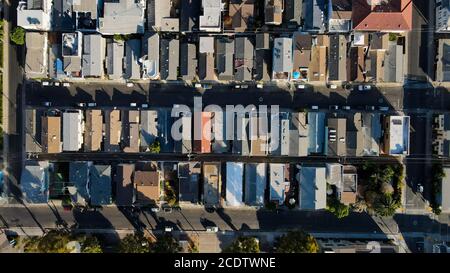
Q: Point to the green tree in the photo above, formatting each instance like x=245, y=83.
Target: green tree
x=90, y=244
x=155, y=147
x=166, y=244
x=134, y=244
x=52, y=242
x=170, y=195
x=386, y=206
x=297, y=242
x=244, y=245
x=18, y=36
x=338, y=209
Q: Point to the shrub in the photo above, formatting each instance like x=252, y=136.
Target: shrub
x=18, y=36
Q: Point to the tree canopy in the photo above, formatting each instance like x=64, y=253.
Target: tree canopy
x=18, y=36
x=57, y=242
x=165, y=244
x=244, y=245
x=297, y=242
x=134, y=243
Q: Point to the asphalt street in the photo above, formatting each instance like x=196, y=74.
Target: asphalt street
x=155, y=95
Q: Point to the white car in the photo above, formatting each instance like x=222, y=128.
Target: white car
x=212, y=229
x=301, y=86
x=315, y=107
x=346, y=108
x=367, y=87
x=155, y=209
x=333, y=86
x=57, y=84
x=244, y=86
x=237, y=86
x=168, y=229
x=145, y=106
x=81, y=104
x=130, y=84
x=47, y=104
x=133, y=104
x=198, y=85
x=45, y=83
x=259, y=86
x=92, y=104
x=66, y=84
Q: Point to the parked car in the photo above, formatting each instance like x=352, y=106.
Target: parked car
x=81, y=104
x=315, y=107
x=346, y=108
x=212, y=229
x=383, y=108
x=66, y=84
x=45, y=83
x=57, y=83
x=259, y=86
x=301, y=86
x=145, y=106
x=207, y=86
x=334, y=107
x=333, y=86
x=130, y=84
x=198, y=85
x=92, y=104
x=47, y=104
x=133, y=104
x=168, y=229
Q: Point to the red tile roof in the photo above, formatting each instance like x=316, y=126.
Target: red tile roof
x=393, y=15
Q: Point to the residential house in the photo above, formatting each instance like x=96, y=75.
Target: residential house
x=189, y=15
x=316, y=132
x=313, y=187
x=130, y=134
x=255, y=183
x=86, y=14
x=188, y=62
x=150, y=60
x=71, y=53
x=113, y=130
x=132, y=55
x=212, y=184
x=396, y=135
x=337, y=58
x=279, y=182
x=34, y=182
x=36, y=58
x=219, y=144
x=357, y=70
x=441, y=135
x=274, y=12
x=263, y=57
x=349, y=189
x=169, y=59
x=149, y=128
x=115, y=52
x=147, y=185
x=124, y=184
x=259, y=134
x=79, y=181
x=93, y=56
x=293, y=13
x=317, y=70
x=161, y=16
x=203, y=145
x=443, y=61
x=443, y=198
x=298, y=135
x=122, y=17
x=51, y=134
x=235, y=184
x=340, y=18
x=33, y=130
x=316, y=14
x=302, y=55
x=363, y=134
x=442, y=15
x=241, y=138
x=224, y=48
x=385, y=16
x=336, y=141
x=206, y=59
x=282, y=59
x=393, y=64
x=241, y=14
x=211, y=19
x=73, y=126
x=189, y=179
x=35, y=14
x=243, y=59
x=100, y=188
x=184, y=145
x=93, y=132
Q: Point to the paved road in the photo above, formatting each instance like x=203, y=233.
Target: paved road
x=101, y=156
x=12, y=104
x=117, y=95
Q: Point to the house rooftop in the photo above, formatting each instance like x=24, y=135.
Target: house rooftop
x=122, y=17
